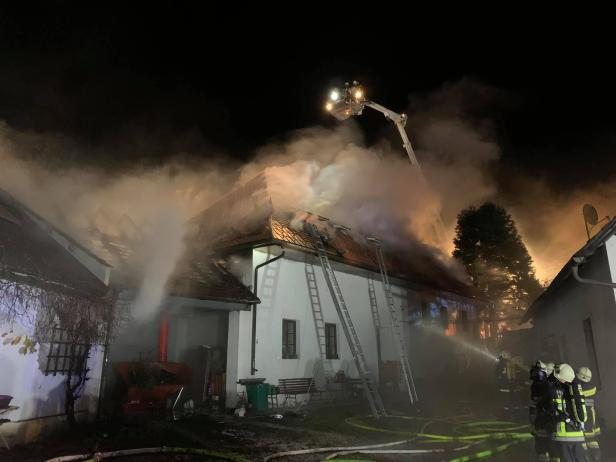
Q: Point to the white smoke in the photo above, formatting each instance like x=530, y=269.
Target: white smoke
x=144, y=208
x=327, y=171
x=163, y=247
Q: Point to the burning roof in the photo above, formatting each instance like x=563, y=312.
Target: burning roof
x=207, y=280
x=195, y=276
x=247, y=217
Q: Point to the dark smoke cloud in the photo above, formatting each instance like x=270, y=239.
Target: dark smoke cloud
x=328, y=171
x=462, y=146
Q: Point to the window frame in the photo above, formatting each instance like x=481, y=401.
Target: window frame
x=64, y=356
x=329, y=354
x=289, y=339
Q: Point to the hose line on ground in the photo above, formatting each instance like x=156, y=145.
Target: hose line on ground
x=479, y=431
x=96, y=457
x=491, y=429
x=400, y=451
x=318, y=450
x=487, y=452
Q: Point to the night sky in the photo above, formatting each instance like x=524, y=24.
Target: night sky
x=206, y=80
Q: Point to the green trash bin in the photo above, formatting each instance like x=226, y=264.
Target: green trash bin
x=257, y=394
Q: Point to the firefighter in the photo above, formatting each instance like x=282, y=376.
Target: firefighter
x=549, y=369
x=503, y=372
x=538, y=421
x=591, y=427
x=566, y=413
x=501, y=369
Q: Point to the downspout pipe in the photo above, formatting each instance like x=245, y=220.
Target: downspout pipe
x=101, y=388
x=576, y=275
x=163, y=336
x=253, y=344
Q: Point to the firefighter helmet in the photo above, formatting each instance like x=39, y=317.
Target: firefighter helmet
x=564, y=372
x=584, y=374
x=540, y=365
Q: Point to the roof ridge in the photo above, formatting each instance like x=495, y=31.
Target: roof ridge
x=35, y=216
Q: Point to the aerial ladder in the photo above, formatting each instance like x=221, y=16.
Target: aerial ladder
x=351, y=101
x=396, y=326
x=368, y=382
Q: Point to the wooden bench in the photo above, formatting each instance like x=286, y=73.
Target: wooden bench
x=290, y=388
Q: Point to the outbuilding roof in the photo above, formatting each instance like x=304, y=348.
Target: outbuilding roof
x=597, y=241
x=30, y=255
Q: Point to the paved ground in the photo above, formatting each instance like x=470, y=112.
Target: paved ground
x=319, y=425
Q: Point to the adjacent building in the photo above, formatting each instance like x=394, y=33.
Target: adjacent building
x=37, y=258
x=575, y=318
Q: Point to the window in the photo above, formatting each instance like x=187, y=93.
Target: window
x=289, y=339
x=592, y=353
x=65, y=356
x=331, y=341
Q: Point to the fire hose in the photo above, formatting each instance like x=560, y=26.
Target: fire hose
x=470, y=432
x=479, y=431
x=96, y=457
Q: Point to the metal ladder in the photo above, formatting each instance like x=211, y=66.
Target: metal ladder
x=374, y=308
x=395, y=325
x=319, y=322
x=376, y=320
x=369, y=385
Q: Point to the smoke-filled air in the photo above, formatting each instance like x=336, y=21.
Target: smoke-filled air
x=330, y=171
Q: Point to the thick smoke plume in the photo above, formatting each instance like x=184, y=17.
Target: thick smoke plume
x=551, y=222
x=142, y=209
x=327, y=171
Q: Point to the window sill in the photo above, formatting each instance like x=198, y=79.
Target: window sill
x=290, y=357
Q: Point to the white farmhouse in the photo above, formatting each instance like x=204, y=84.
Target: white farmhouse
x=247, y=229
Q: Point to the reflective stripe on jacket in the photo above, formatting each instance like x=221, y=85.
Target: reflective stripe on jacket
x=591, y=428
x=565, y=410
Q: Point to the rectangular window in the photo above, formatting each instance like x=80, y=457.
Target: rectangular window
x=592, y=353
x=65, y=356
x=331, y=341
x=289, y=339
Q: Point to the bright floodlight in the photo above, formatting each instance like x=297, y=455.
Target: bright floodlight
x=352, y=101
x=347, y=102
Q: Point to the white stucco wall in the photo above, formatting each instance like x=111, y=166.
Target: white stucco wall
x=40, y=398
x=284, y=295
x=610, y=247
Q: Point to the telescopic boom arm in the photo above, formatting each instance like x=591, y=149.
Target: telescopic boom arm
x=400, y=121
x=351, y=101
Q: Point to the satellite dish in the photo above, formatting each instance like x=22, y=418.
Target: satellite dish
x=590, y=214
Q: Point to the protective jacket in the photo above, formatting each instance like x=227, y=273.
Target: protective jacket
x=591, y=426
x=565, y=411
